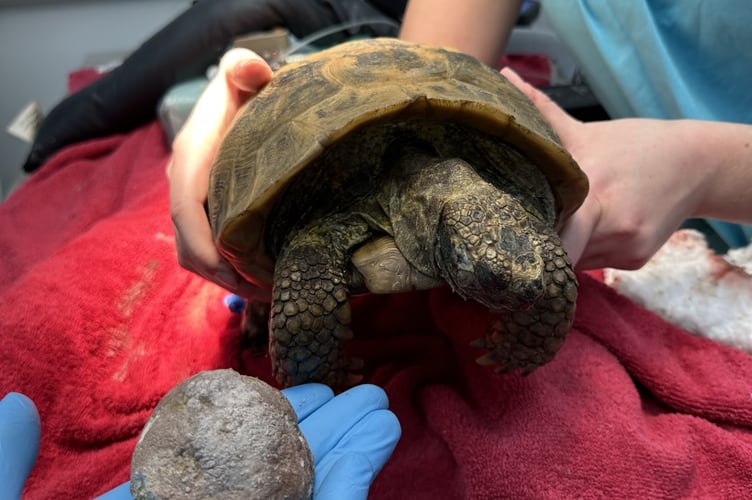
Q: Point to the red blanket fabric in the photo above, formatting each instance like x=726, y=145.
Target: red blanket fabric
x=99, y=321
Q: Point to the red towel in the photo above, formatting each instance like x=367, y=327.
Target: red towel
x=99, y=321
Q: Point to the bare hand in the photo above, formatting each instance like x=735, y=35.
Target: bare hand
x=640, y=186
x=241, y=75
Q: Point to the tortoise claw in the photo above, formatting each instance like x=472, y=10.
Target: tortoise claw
x=480, y=343
x=487, y=360
x=343, y=332
x=355, y=364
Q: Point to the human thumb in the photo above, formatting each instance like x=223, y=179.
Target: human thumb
x=19, y=443
x=560, y=120
x=245, y=70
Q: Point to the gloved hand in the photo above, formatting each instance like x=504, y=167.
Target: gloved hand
x=351, y=436
x=19, y=443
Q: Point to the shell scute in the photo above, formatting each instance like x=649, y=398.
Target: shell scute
x=314, y=103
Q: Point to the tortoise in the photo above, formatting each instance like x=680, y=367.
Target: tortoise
x=385, y=166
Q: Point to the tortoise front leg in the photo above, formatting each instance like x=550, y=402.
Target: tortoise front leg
x=528, y=338
x=491, y=250
x=310, y=315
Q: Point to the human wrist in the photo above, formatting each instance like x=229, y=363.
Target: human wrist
x=723, y=159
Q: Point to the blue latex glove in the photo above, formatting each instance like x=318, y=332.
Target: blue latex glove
x=19, y=443
x=351, y=436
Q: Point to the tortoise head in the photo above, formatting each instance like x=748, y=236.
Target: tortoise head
x=487, y=249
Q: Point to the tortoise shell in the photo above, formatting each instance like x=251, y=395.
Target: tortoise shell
x=312, y=104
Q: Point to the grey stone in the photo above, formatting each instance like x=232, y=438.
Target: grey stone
x=223, y=435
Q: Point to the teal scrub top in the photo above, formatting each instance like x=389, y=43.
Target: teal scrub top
x=664, y=59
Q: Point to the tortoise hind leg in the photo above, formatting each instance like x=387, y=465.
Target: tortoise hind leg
x=256, y=326
x=310, y=315
x=528, y=338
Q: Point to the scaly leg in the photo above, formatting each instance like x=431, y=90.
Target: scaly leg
x=528, y=338
x=492, y=250
x=310, y=316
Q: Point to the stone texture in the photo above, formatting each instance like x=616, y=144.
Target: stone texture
x=220, y=434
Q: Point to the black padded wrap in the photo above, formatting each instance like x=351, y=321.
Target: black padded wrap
x=128, y=96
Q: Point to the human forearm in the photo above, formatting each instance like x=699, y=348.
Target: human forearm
x=480, y=28
x=726, y=151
